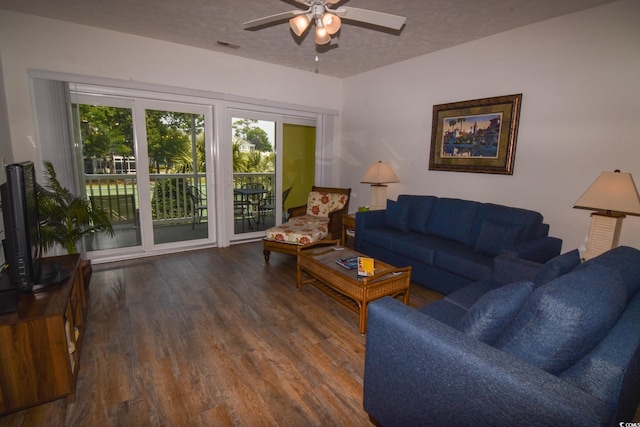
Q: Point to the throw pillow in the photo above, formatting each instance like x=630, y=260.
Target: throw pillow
x=453, y=219
x=565, y=319
x=318, y=204
x=625, y=260
x=487, y=319
x=556, y=267
x=322, y=203
x=337, y=201
x=419, y=210
x=397, y=215
x=496, y=235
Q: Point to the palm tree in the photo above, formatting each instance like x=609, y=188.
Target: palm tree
x=461, y=120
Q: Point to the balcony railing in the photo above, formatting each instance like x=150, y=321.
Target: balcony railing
x=171, y=201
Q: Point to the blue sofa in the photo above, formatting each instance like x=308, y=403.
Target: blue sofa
x=450, y=243
x=559, y=348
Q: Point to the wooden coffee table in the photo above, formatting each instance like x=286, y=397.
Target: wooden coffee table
x=317, y=264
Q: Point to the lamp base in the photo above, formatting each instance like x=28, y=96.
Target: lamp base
x=378, y=197
x=604, y=233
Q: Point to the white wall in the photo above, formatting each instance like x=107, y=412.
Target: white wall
x=34, y=43
x=579, y=76
x=580, y=79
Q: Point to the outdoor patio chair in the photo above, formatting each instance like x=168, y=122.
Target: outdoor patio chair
x=268, y=206
x=198, y=204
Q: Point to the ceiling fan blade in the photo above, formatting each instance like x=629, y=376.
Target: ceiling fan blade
x=331, y=1
x=380, y=19
x=271, y=19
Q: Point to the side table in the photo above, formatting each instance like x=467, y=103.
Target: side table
x=348, y=224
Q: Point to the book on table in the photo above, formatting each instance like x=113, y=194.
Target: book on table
x=366, y=266
x=348, y=263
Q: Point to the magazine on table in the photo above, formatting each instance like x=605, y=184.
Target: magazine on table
x=348, y=263
x=366, y=266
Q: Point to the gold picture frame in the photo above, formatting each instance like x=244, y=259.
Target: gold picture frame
x=475, y=136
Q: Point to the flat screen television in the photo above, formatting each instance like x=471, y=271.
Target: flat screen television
x=20, y=214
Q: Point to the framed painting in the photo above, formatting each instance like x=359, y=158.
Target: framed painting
x=475, y=136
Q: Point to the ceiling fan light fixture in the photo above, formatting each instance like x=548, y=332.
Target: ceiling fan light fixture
x=331, y=22
x=299, y=24
x=328, y=21
x=322, y=36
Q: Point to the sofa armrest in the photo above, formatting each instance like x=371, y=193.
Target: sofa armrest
x=335, y=223
x=508, y=268
x=364, y=220
x=538, y=250
x=335, y=219
x=419, y=371
x=370, y=219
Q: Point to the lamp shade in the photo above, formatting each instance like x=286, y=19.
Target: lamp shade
x=299, y=24
x=331, y=22
x=612, y=191
x=379, y=173
x=322, y=36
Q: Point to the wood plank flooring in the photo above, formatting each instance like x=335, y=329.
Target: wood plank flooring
x=213, y=337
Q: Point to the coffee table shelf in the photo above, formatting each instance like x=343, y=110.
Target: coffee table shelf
x=317, y=266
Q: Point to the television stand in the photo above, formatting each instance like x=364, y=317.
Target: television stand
x=8, y=294
x=42, y=340
x=49, y=273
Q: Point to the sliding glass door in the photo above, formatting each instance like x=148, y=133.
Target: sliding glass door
x=178, y=205
x=105, y=133
x=255, y=188
x=154, y=163
x=273, y=160
x=146, y=164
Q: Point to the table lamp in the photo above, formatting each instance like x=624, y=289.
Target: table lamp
x=379, y=174
x=613, y=195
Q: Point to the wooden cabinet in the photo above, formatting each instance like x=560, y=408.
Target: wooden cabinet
x=40, y=343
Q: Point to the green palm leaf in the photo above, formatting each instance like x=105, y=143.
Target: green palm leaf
x=64, y=217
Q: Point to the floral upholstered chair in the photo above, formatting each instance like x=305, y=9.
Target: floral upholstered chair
x=319, y=219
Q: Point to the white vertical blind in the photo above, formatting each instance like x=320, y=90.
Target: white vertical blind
x=54, y=136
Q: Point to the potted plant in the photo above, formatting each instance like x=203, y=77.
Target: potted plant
x=64, y=217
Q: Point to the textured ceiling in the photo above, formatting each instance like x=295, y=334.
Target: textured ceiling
x=431, y=25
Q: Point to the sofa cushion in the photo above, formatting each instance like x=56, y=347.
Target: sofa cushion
x=300, y=230
x=531, y=220
x=565, y=319
x=415, y=246
x=468, y=295
x=323, y=203
x=557, y=266
x=508, y=267
x=625, y=260
x=453, y=219
x=462, y=261
x=396, y=215
x=382, y=237
x=496, y=235
x=601, y=371
x=445, y=312
x=419, y=210
x=490, y=316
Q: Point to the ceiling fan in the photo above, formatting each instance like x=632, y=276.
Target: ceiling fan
x=327, y=20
